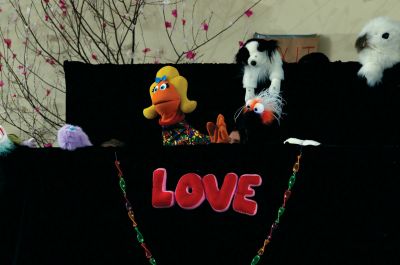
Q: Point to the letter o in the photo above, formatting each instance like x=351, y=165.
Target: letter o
x=189, y=193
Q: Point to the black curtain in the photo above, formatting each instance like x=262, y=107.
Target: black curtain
x=61, y=207
x=66, y=207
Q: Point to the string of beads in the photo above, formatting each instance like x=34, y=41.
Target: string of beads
x=267, y=240
x=281, y=210
x=131, y=215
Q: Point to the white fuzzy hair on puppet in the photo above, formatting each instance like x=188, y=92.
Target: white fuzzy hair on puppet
x=260, y=60
x=378, y=47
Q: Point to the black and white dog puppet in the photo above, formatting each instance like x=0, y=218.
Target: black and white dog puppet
x=260, y=60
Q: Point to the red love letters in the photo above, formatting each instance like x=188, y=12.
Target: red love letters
x=191, y=190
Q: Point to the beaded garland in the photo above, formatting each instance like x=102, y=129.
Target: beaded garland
x=267, y=240
x=131, y=215
x=183, y=134
x=281, y=210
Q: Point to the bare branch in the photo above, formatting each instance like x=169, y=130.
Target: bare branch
x=32, y=78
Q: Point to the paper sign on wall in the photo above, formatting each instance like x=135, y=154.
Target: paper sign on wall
x=293, y=47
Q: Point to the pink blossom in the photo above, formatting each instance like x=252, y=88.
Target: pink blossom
x=183, y=21
x=190, y=55
x=14, y=95
x=46, y=1
x=168, y=24
x=62, y=4
x=37, y=109
x=50, y=61
x=204, y=25
x=146, y=50
x=8, y=42
x=175, y=13
x=248, y=12
x=241, y=43
x=94, y=56
x=14, y=55
x=1, y=83
x=48, y=91
x=46, y=17
x=48, y=145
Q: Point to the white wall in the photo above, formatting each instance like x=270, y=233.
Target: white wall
x=337, y=21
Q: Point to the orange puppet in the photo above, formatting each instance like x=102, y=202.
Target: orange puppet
x=267, y=105
x=169, y=101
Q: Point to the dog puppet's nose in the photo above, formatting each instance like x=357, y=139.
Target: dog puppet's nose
x=361, y=42
x=253, y=63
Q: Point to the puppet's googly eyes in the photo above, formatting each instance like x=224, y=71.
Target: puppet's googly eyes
x=163, y=86
x=258, y=108
x=248, y=104
x=385, y=35
x=154, y=90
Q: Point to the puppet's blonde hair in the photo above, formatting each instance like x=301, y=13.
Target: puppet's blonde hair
x=180, y=83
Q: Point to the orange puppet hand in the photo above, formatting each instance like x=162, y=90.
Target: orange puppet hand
x=218, y=132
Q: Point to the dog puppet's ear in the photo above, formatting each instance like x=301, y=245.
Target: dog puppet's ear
x=242, y=56
x=267, y=45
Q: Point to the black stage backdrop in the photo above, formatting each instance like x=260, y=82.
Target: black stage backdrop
x=326, y=102
x=60, y=207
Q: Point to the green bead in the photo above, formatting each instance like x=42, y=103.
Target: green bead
x=255, y=260
x=122, y=184
x=281, y=211
x=139, y=235
x=152, y=261
x=292, y=180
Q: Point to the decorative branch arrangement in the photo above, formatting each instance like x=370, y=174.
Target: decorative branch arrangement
x=42, y=34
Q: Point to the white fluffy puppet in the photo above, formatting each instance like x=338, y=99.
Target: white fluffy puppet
x=378, y=47
x=260, y=60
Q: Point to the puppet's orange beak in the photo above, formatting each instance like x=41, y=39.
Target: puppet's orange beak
x=166, y=99
x=267, y=117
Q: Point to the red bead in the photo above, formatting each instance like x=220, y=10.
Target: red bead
x=286, y=197
x=146, y=250
x=274, y=226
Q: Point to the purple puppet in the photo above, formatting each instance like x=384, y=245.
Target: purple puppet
x=71, y=137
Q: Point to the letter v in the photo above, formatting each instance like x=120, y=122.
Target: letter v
x=220, y=200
